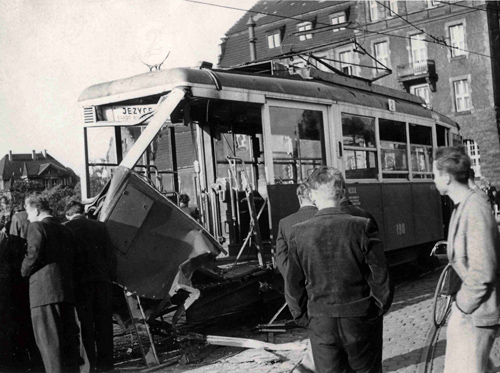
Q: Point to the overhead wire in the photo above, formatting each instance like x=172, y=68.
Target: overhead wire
x=470, y=7
x=424, y=40
x=248, y=10
x=356, y=28
x=411, y=24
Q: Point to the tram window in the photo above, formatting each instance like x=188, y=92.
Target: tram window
x=360, y=154
x=421, y=151
x=98, y=178
x=297, y=143
x=442, y=135
x=129, y=137
x=233, y=145
x=101, y=145
x=102, y=157
x=393, y=148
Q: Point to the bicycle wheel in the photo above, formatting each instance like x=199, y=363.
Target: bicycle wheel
x=442, y=301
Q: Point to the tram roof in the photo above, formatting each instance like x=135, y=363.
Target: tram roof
x=322, y=86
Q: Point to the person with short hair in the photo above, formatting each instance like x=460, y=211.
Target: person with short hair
x=306, y=211
x=49, y=265
x=6, y=329
x=473, y=252
x=94, y=285
x=25, y=352
x=337, y=281
x=184, y=205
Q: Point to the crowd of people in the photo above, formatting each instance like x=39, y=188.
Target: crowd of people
x=55, y=290
x=56, y=279
x=337, y=282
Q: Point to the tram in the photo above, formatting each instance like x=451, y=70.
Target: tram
x=230, y=137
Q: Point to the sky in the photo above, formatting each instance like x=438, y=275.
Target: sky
x=51, y=50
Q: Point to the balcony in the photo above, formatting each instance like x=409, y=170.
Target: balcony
x=414, y=73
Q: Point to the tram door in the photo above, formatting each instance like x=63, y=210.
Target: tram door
x=233, y=161
x=297, y=140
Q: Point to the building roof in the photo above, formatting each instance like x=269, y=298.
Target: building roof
x=23, y=165
x=236, y=48
x=266, y=11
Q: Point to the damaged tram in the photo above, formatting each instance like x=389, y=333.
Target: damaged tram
x=237, y=143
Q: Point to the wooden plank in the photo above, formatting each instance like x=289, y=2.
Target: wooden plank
x=251, y=343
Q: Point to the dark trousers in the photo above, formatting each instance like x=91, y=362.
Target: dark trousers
x=25, y=352
x=350, y=344
x=94, y=307
x=57, y=336
x=6, y=330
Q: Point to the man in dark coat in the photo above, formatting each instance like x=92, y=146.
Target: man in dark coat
x=306, y=211
x=94, y=288
x=5, y=303
x=349, y=208
x=337, y=282
x=25, y=350
x=49, y=265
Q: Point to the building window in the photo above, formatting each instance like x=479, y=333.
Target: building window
x=457, y=40
x=274, y=40
x=418, y=49
x=473, y=152
x=46, y=184
x=393, y=8
x=336, y=19
x=346, y=62
x=422, y=91
x=305, y=26
x=318, y=65
x=374, y=11
x=381, y=51
x=462, y=95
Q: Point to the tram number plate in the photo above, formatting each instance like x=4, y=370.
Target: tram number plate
x=400, y=229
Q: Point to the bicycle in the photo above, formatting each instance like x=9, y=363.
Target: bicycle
x=442, y=297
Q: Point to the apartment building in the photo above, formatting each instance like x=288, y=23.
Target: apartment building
x=447, y=52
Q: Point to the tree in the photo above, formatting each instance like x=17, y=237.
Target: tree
x=20, y=189
x=58, y=196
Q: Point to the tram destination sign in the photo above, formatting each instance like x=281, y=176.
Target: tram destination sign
x=133, y=113
x=129, y=113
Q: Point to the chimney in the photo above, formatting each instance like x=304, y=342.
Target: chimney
x=10, y=155
x=44, y=153
x=33, y=154
x=251, y=38
x=222, y=49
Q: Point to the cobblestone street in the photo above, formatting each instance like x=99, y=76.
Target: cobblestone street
x=406, y=328
x=406, y=333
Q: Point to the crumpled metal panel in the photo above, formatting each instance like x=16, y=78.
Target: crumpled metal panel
x=158, y=246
